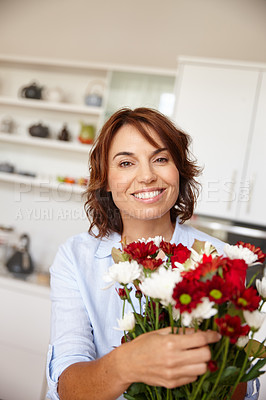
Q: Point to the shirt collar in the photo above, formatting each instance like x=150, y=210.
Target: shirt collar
x=107, y=243
x=114, y=240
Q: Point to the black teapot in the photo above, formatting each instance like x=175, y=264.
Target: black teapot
x=33, y=91
x=20, y=263
x=39, y=130
x=64, y=134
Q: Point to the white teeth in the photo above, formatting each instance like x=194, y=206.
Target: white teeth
x=147, y=195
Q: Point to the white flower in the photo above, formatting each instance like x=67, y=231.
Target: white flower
x=208, y=250
x=175, y=313
x=240, y=252
x=254, y=319
x=180, y=267
x=161, y=284
x=127, y=323
x=123, y=272
x=204, y=310
x=242, y=341
x=156, y=240
x=186, y=319
x=261, y=287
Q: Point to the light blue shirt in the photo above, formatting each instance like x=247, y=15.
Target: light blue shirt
x=83, y=313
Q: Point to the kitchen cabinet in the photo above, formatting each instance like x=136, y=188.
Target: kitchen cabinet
x=117, y=86
x=219, y=103
x=24, y=339
x=48, y=209
x=253, y=209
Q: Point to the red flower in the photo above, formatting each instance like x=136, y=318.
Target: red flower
x=206, y=269
x=218, y=290
x=181, y=254
x=188, y=295
x=255, y=250
x=247, y=299
x=167, y=248
x=231, y=327
x=151, y=263
x=235, y=272
x=212, y=366
x=141, y=250
x=122, y=293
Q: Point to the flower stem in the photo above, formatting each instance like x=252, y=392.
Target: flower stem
x=169, y=394
x=146, y=305
x=150, y=392
x=133, y=308
x=157, y=394
x=242, y=368
x=199, y=385
x=123, y=311
x=170, y=312
x=226, y=347
x=157, y=315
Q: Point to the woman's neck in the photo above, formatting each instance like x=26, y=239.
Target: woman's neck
x=138, y=229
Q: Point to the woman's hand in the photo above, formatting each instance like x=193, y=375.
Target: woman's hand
x=159, y=358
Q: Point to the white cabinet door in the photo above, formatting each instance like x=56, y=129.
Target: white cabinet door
x=215, y=105
x=253, y=210
x=24, y=338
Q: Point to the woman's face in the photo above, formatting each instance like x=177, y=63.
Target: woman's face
x=143, y=179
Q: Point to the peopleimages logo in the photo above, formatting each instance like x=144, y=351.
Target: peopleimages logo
x=225, y=191
x=46, y=192
x=211, y=191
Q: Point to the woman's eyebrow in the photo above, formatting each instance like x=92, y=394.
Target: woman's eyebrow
x=127, y=153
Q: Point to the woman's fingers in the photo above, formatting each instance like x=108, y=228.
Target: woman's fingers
x=198, y=339
x=163, y=359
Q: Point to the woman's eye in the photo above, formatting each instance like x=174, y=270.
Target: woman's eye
x=161, y=160
x=125, y=164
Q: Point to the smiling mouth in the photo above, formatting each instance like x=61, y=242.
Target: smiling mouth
x=148, y=195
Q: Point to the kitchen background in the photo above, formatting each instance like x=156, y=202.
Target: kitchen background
x=65, y=66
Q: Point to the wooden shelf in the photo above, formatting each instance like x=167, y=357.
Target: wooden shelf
x=41, y=142
x=50, y=106
x=37, y=182
x=77, y=66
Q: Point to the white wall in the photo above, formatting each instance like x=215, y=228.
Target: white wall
x=140, y=32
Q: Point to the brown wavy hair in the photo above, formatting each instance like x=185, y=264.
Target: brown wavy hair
x=99, y=207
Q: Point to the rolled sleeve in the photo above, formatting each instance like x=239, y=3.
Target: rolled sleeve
x=71, y=331
x=253, y=388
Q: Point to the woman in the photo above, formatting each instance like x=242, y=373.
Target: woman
x=142, y=184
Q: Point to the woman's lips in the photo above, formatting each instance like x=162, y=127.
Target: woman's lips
x=148, y=196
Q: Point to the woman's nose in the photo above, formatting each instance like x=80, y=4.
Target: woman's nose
x=146, y=174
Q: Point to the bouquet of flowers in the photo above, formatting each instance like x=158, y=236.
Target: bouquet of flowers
x=199, y=289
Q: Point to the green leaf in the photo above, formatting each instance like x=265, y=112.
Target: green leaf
x=137, y=390
x=127, y=396
x=229, y=371
x=256, y=349
x=179, y=393
x=206, y=386
x=136, y=397
x=117, y=255
x=254, y=372
x=198, y=245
